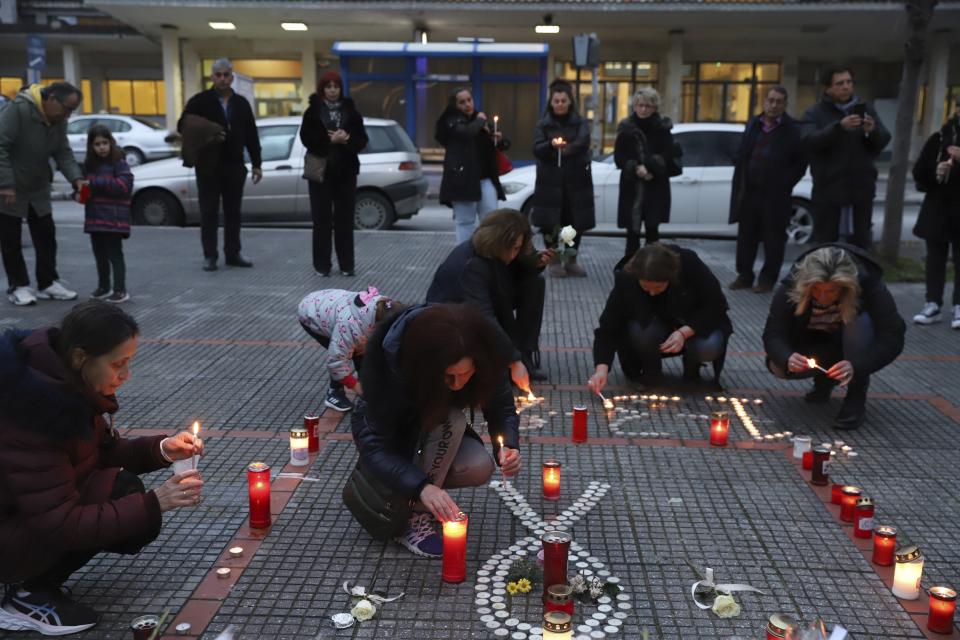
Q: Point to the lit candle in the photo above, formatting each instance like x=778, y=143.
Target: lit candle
x=580, y=423
x=258, y=481
x=813, y=365
x=559, y=141
x=531, y=397
x=236, y=552
x=556, y=550
x=800, y=445
x=863, y=518
x=223, y=572
x=551, y=480
x=884, y=544
x=312, y=424
x=778, y=625
x=500, y=454
x=607, y=402
x=557, y=625
x=719, y=428
x=455, y=549
x=908, y=571
x=808, y=460
x=196, y=441
x=848, y=501
x=559, y=598
x=943, y=604
x=299, y=447
x=820, y=469
x=836, y=492
x=496, y=121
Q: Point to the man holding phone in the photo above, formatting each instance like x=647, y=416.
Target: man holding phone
x=843, y=136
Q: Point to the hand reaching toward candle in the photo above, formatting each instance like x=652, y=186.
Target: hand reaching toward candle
x=598, y=380
x=674, y=342
x=181, y=490
x=842, y=372
x=439, y=502
x=520, y=376
x=510, y=461
x=182, y=446
x=797, y=363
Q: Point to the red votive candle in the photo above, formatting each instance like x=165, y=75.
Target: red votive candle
x=455, y=549
x=551, y=480
x=258, y=481
x=556, y=549
x=312, y=424
x=778, y=625
x=836, y=491
x=863, y=518
x=820, y=471
x=848, y=501
x=719, y=428
x=580, y=423
x=807, y=459
x=884, y=544
x=559, y=598
x=943, y=605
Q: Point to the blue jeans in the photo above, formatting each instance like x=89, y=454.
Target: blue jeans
x=465, y=214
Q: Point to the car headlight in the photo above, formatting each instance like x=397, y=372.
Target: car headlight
x=510, y=188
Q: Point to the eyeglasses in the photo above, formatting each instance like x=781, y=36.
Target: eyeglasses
x=67, y=107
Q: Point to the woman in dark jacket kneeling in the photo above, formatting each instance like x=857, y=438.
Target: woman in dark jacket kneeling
x=833, y=308
x=664, y=302
x=68, y=482
x=421, y=370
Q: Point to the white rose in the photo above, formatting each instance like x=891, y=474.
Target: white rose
x=567, y=234
x=363, y=610
x=726, y=607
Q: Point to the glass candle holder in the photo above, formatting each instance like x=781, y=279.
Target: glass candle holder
x=907, y=573
x=258, y=483
x=801, y=444
x=943, y=606
x=778, y=625
x=863, y=518
x=836, y=492
x=808, y=460
x=557, y=625
x=551, y=480
x=579, y=423
x=820, y=471
x=144, y=627
x=848, y=501
x=556, y=550
x=455, y=549
x=719, y=428
x=312, y=424
x=559, y=598
x=884, y=545
x=299, y=447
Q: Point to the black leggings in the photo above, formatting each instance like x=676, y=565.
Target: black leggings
x=108, y=252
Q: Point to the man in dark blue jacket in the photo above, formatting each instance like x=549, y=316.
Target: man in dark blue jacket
x=769, y=164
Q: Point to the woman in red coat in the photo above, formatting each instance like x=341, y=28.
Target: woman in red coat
x=68, y=483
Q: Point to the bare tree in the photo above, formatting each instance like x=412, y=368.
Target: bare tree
x=919, y=13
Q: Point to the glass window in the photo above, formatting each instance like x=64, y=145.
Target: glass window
x=646, y=71
x=515, y=66
x=518, y=105
x=79, y=126
x=277, y=141
x=9, y=86
x=616, y=70
x=368, y=64
x=116, y=125
x=145, y=98
x=380, y=99
x=736, y=71
x=768, y=72
x=142, y=97
x=260, y=68
x=738, y=103
x=710, y=103
x=379, y=141
x=401, y=140
x=708, y=148
x=449, y=66
x=150, y=123
x=119, y=96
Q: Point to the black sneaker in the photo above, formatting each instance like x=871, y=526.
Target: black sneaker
x=100, y=293
x=118, y=296
x=337, y=400
x=45, y=610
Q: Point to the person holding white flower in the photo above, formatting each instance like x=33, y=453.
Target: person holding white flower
x=564, y=186
x=664, y=302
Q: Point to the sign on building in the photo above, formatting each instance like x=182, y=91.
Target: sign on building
x=36, y=58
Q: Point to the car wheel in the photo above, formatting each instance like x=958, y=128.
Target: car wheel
x=133, y=157
x=800, y=228
x=157, y=208
x=372, y=211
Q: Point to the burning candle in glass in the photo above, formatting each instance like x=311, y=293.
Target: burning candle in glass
x=719, y=428
x=556, y=549
x=801, y=444
x=836, y=492
x=820, y=469
x=580, y=423
x=557, y=625
x=455, y=549
x=299, y=447
x=884, y=544
x=907, y=573
x=551, y=480
x=863, y=518
x=559, y=598
x=778, y=625
x=943, y=605
x=312, y=424
x=258, y=481
x=848, y=501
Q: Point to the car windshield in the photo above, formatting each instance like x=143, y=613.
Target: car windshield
x=149, y=123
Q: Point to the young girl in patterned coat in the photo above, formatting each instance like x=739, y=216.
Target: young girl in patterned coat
x=342, y=321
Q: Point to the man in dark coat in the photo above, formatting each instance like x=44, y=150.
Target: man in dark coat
x=769, y=164
x=221, y=172
x=843, y=136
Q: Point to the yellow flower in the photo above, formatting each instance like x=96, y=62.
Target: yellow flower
x=512, y=588
x=524, y=585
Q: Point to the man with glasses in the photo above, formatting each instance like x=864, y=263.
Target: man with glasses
x=221, y=172
x=33, y=129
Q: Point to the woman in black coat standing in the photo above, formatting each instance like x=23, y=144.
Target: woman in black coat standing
x=471, y=180
x=564, y=187
x=645, y=154
x=333, y=129
x=937, y=173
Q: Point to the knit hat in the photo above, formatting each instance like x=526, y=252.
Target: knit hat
x=327, y=78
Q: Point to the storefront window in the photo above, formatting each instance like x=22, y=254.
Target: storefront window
x=511, y=66
x=136, y=97
x=517, y=106
x=379, y=99
x=726, y=91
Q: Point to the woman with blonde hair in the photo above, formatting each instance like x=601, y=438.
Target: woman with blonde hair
x=833, y=311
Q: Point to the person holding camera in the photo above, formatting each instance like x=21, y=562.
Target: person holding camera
x=843, y=136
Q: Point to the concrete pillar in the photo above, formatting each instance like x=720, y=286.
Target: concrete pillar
x=789, y=72
x=98, y=89
x=938, y=66
x=193, y=80
x=671, y=86
x=172, y=76
x=71, y=68
x=308, y=70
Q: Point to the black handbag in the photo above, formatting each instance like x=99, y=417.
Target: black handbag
x=380, y=510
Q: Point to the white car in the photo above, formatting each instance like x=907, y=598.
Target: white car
x=700, y=197
x=140, y=139
x=390, y=186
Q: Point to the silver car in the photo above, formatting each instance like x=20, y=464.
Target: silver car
x=140, y=139
x=391, y=184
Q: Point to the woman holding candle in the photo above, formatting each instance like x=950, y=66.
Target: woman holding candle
x=665, y=301
x=833, y=307
x=423, y=368
x=564, y=186
x=471, y=180
x=500, y=272
x=647, y=158
x=70, y=485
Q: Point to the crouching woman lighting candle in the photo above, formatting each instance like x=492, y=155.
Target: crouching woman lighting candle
x=907, y=574
x=943, y=605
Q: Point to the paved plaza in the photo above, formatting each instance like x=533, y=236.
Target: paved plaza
x=225, y=348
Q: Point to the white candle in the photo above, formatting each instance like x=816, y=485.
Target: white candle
x=801, y=444
x=907, y=574
x=559, y=141
x=496, y=120
x=299, y=446
x=196, y=440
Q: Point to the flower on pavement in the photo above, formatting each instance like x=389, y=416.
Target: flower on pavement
x=363, y=610
x=524, y=585
x=726, y=607
x=512, y=588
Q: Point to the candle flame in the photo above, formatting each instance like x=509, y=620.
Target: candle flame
x=496, y=118
x=531, y=397
x=811, y=363
x=500, y=440
x=196, y=428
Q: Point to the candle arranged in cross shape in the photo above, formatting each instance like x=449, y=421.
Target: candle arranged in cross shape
x=812, y=363
x=258, y=482
x=551, y=480
x=455, y=549
x=196, y=441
